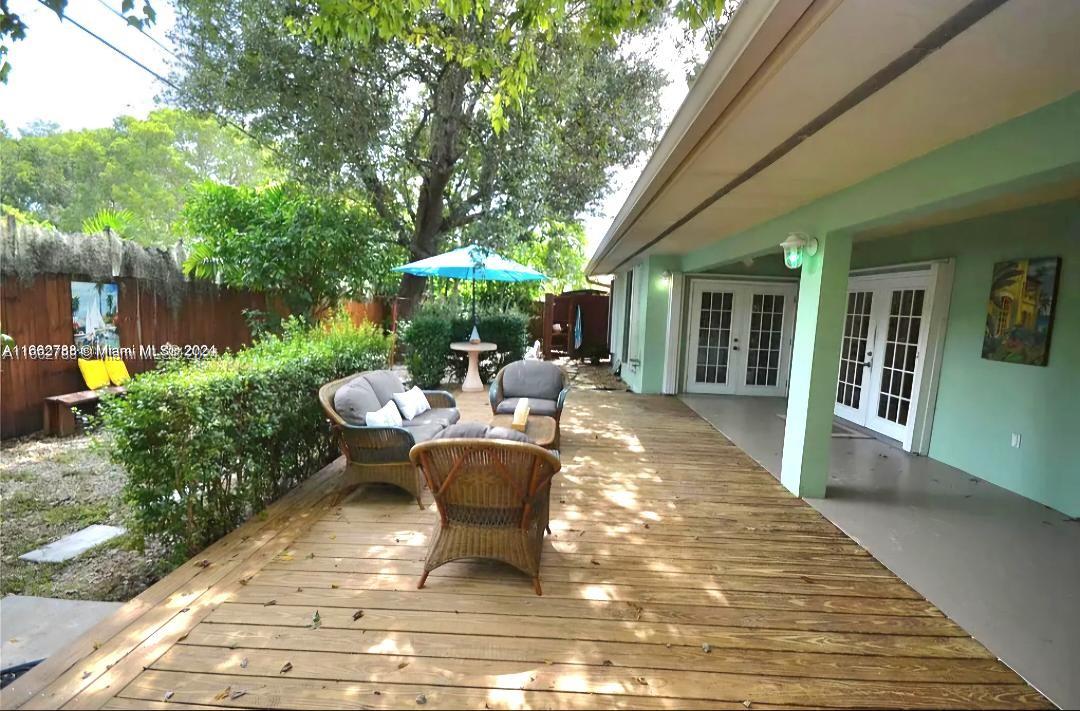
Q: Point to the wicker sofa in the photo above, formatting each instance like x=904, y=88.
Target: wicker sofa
x=381, y=454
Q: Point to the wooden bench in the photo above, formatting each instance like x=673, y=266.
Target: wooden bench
x=59, y=418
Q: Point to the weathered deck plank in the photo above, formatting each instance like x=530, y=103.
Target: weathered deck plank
x=666, y=537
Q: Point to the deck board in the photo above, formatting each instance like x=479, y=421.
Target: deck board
x=666, y=537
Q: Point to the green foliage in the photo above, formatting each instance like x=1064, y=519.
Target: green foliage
x=310, y=250
x=556, y=249
x=119, y=222
x=23, y=217
x=409, y=121
x=428, y=335
x=206, y=444
x=499, y=42
x=427, y=338
x=141, y=166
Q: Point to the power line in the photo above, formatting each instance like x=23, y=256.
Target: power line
x=142, y=31
x=162, y=79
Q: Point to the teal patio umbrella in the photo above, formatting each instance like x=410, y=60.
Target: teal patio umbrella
x=472, y=262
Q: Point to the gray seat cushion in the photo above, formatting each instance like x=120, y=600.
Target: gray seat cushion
x=355, y=399
x=478, y=430
x=385, y=384
x=444, y=416
x=537, y=406
x=424, y=432
x=532, y=378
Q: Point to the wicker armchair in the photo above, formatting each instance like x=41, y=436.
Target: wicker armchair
x=541, y=381
x=378, y=454
x=492, y=497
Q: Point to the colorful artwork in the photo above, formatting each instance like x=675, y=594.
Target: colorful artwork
x=1021, y=311
x=93, y=313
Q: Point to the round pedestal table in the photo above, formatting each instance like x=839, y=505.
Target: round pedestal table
x=472, y=382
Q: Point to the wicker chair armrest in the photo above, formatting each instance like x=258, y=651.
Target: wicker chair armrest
x=376, y=445
x=440, y=398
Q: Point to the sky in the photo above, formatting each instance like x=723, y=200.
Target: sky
x=61, y=74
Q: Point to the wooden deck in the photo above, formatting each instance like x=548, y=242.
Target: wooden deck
x=666, y=538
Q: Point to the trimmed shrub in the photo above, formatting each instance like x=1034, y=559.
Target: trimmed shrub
x=208, y=443
x=427, y=338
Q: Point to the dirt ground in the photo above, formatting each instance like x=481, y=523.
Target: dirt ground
x=50, y=487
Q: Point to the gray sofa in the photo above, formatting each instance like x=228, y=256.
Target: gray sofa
x=381, y=454
x=540, y=381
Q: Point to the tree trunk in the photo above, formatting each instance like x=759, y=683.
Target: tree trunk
x=448, y=116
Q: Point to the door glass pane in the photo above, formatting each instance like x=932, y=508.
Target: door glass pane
x=853, y=349
x=763, y=345
x=898, y=368
x=714, y=337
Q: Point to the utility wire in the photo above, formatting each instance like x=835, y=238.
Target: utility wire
x=142, y=31
x=162, y=79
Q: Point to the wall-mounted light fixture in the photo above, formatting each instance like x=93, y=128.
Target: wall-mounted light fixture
x=665, y=278
x=797, y=246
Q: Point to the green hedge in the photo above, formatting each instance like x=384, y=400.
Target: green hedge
x=428, y=336
x=208, y=443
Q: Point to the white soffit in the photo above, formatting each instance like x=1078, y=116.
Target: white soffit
x=1021, y=56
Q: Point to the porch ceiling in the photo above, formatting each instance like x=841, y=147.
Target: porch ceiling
x=1020, y=56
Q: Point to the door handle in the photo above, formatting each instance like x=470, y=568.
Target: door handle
x=869, y=362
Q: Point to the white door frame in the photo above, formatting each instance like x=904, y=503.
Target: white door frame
x=742, y=291
x=935, y=278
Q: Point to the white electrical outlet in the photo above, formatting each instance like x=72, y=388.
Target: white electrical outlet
x=1015, y=440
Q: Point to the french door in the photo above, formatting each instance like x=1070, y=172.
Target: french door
x=881, y=352
x=740, y=338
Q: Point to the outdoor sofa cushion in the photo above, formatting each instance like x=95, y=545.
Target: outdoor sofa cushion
x=445, y=416
x=385, y=384
x=478, y=430
x=537, y=406
x=532, y=379
x=412, y=403
x=354, y=399
x=424, y=432
x=386, y=416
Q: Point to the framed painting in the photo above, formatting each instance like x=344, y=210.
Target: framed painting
x=93, y=313
x=1020, y=313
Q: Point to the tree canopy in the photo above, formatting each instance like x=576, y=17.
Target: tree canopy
x=413, y=125
x=309, y=250
x=139, y=167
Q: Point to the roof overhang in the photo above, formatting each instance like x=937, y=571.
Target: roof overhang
x=802, y=98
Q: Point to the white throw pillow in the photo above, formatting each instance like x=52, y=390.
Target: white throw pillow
x=412, y=403
x=385, y=416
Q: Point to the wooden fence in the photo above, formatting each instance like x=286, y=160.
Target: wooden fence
x=38, y=313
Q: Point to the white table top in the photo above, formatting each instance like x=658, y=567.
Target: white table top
x=467, y=347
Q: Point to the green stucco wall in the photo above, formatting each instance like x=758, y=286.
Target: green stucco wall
x=981, y=402
x=653, y=294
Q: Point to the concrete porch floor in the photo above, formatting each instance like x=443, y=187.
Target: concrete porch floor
x=1004, y=567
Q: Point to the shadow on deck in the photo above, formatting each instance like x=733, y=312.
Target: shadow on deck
x=679, y=575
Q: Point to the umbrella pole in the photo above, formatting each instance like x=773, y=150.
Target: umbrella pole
x=473, y=281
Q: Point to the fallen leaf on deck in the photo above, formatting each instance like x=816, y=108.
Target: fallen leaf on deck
x=245, y=581
x=707, y=648
x=421, y=699
x=85, y=674
x=641, y=680
x=203, y=564
x=594, y=561
x=223, y=694
x=286, y=668
x=243, y=663
x=357, y=615
x=237, y=694
x=316, y=620
x=746, y=704
x=608, y=663
x=402, y=665
x=334, y=586
x=168, y=695
x=299, y=589
x=268, y=603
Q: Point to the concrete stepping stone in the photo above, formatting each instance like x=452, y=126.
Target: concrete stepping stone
x=73, y=544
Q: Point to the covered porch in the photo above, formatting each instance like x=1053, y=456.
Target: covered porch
x=680, y=574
